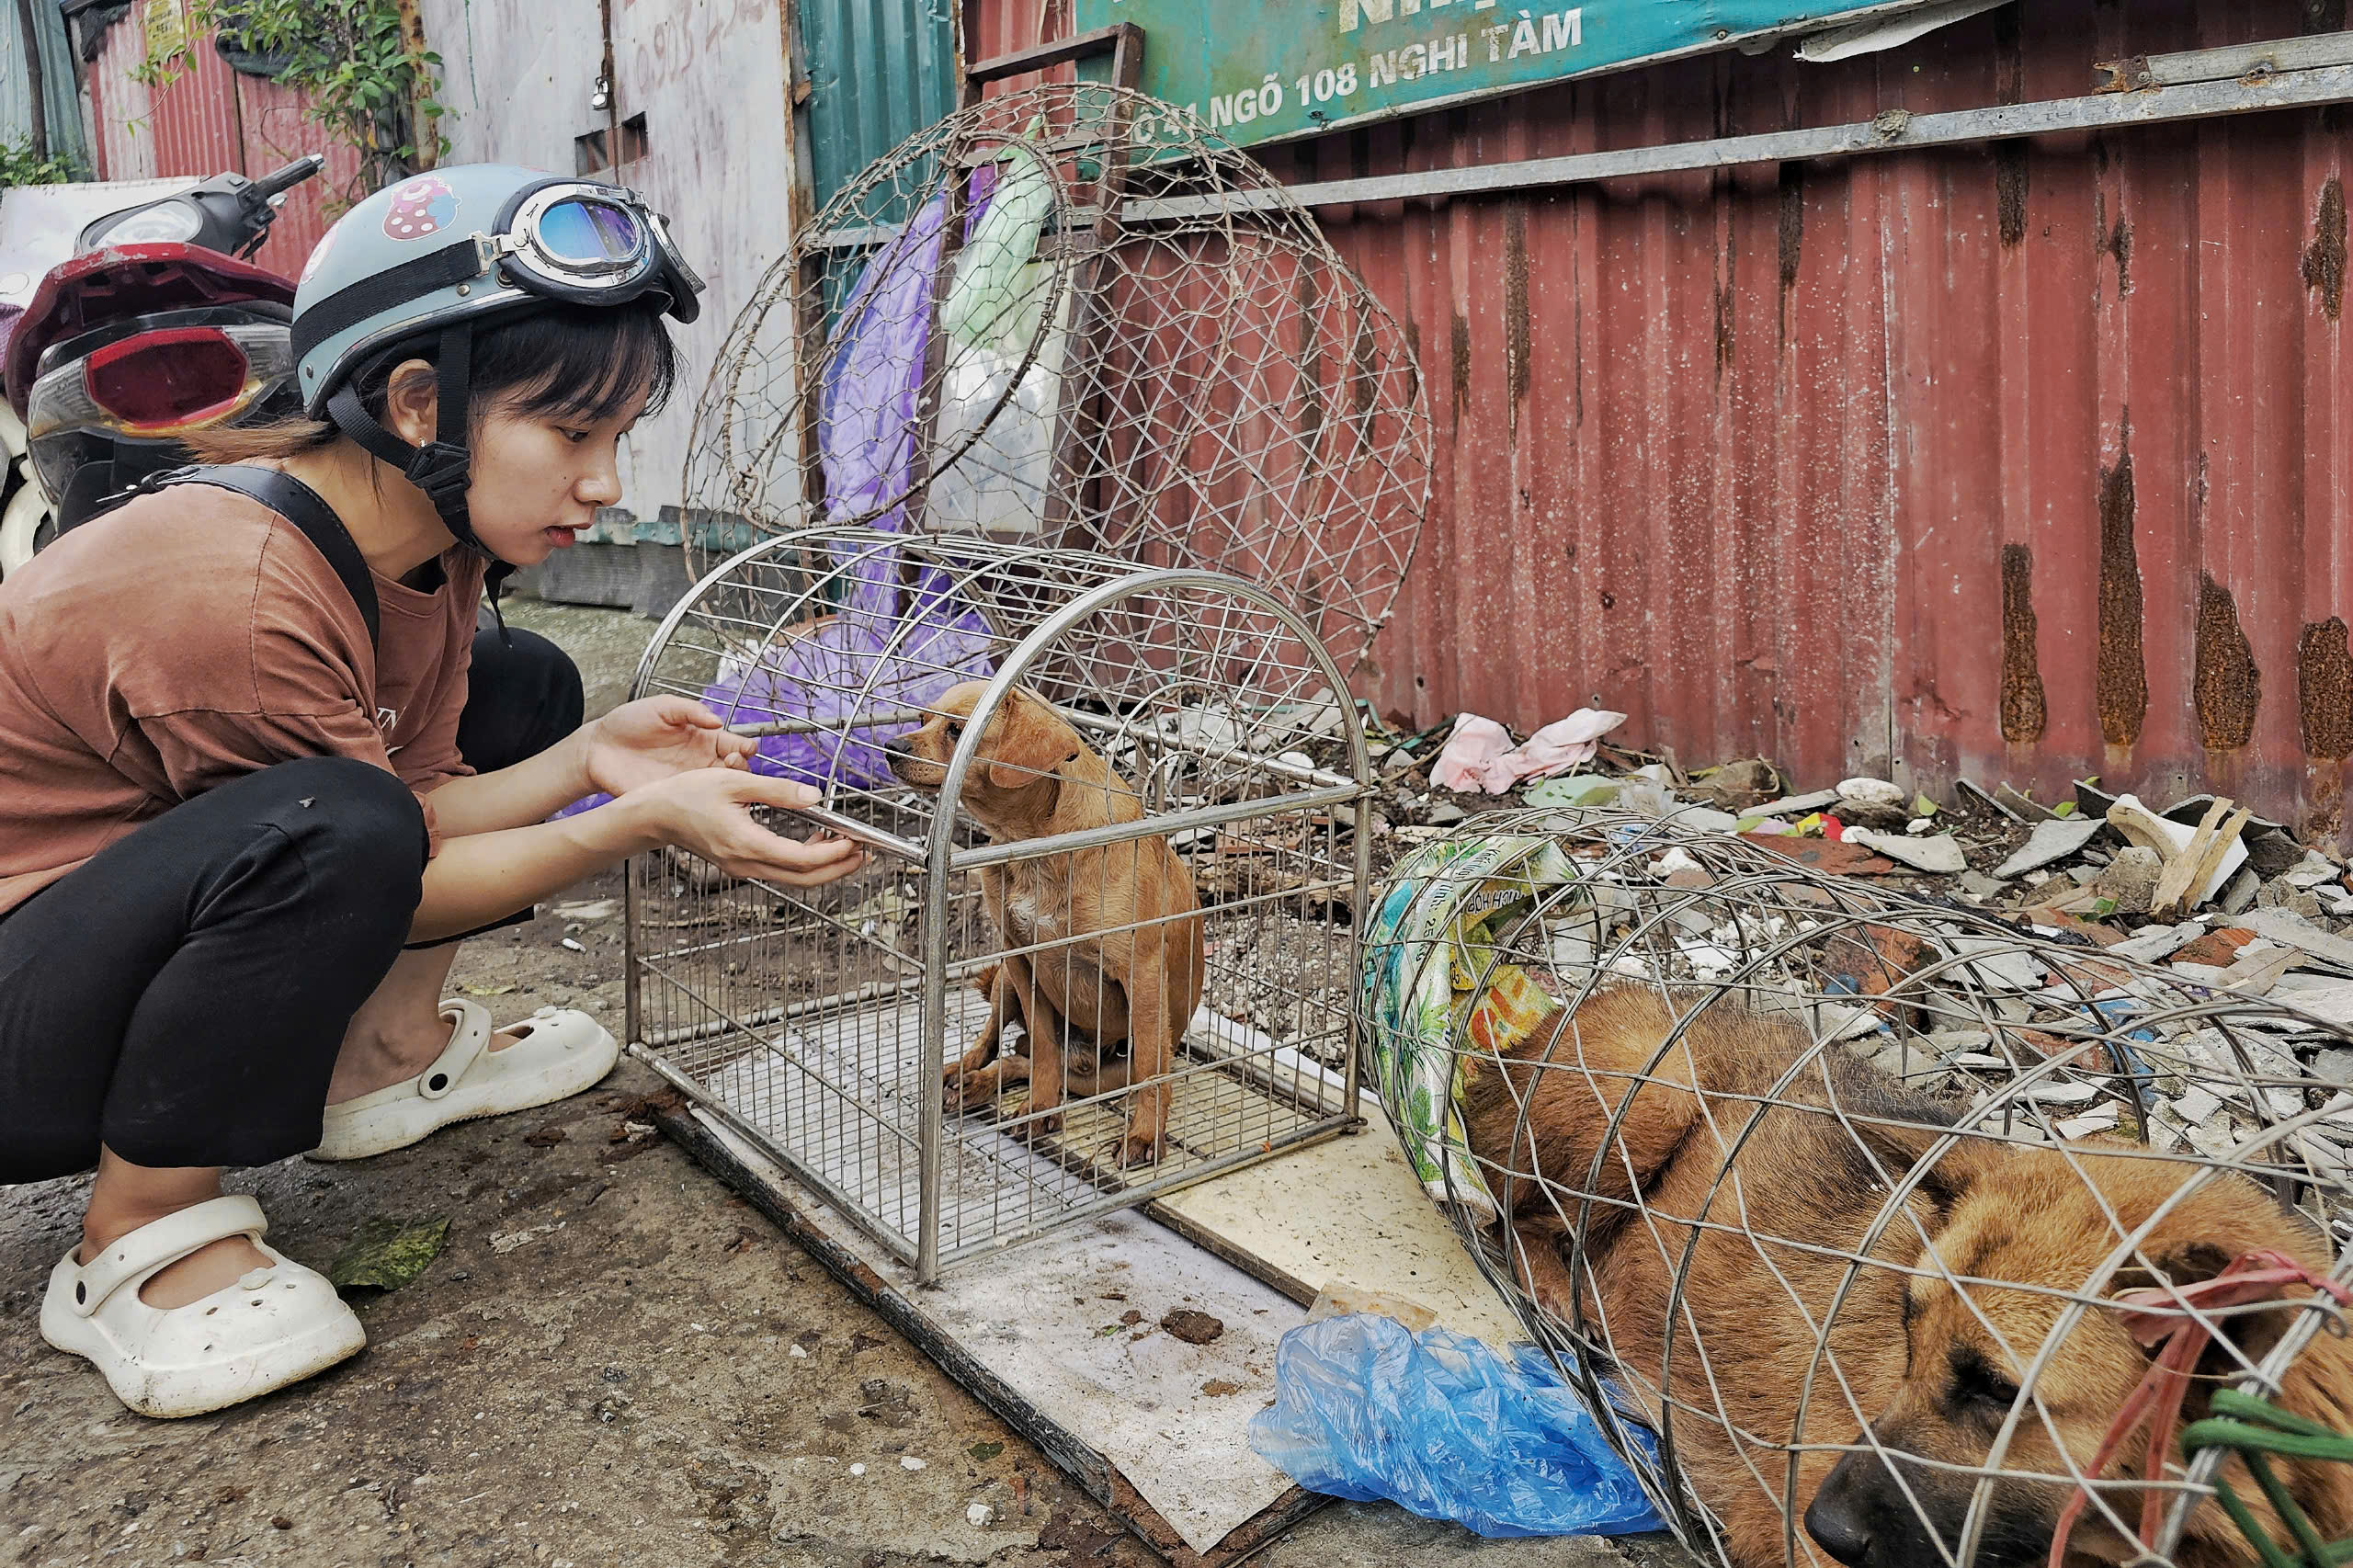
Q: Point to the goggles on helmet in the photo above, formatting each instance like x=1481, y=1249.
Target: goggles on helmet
x=594, y=245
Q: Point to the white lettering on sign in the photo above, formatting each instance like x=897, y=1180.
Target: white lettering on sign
x=1532, y=33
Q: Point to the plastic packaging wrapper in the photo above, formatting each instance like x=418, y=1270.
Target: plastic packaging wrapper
x=997, y=403
x=1438, y=1422
x=888, y=648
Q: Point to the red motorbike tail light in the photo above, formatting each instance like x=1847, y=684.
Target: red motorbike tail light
x=179, y=376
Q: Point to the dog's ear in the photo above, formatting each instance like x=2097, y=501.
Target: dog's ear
x=1901, y=1131
x=1030, y=745
x=2248, y=1331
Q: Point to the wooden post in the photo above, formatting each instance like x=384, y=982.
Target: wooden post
x=2187, y=874
x=33, y=79
x=424, y=128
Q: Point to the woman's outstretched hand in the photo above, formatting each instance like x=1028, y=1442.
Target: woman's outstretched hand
x=656, y=738
x=708, y=812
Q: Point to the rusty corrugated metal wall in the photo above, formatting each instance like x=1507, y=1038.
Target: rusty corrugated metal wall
x=209, y=120
x=2018, y=461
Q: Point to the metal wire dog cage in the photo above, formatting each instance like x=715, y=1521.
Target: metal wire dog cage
x=1875, y=1228
x=1199, y=740
x=1072, y=316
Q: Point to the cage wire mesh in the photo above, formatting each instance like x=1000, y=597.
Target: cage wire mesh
x=1860, y=1219
x=1125, y=791
x=1072, y=316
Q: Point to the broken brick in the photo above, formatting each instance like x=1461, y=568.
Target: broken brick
x=2218, y=949
x=1834, y=856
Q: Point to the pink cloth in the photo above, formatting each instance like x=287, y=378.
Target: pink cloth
x=1475, y=745
x=1479, y=754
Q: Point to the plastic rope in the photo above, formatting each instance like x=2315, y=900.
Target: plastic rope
x=2251, y=1429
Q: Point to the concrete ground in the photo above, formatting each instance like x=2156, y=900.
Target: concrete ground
x=599, y=1369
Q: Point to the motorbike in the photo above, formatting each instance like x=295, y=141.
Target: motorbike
x=157, y=325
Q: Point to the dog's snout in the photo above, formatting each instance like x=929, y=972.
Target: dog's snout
x=1839, y=1517
x=1840, y=1532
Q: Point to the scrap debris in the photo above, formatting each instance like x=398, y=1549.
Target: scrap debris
x=2226, y=905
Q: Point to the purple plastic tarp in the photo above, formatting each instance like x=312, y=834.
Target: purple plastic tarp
x=887, y=647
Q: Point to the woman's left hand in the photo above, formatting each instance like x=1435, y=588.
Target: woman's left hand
x=656, y=738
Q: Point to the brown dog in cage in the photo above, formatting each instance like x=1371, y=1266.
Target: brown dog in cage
x=1103, y=964
x=1733, y=1127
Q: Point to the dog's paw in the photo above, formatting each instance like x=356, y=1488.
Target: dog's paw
x=1134, y=1150
x=1042, y=1127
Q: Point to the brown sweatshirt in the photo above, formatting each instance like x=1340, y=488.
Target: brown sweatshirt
x=194, y=636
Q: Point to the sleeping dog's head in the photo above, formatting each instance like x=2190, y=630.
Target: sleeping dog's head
x=2024, y=1232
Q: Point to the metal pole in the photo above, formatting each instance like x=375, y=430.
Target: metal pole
x=1895, y=130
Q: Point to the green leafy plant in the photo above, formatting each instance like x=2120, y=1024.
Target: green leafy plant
x=361, y=66
x=18, y=166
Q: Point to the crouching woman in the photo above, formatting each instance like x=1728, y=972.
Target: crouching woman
x=254, y=781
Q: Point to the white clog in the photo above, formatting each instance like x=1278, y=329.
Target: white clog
x=275, y=1325
x=561, y=1051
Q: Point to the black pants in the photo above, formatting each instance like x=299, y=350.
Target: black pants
x=181, y=997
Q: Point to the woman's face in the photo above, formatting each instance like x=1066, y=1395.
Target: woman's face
x=538, y=479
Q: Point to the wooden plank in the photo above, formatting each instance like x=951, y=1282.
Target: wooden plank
x=1285, y=1222
x=1102, y=41
x=2189, y=872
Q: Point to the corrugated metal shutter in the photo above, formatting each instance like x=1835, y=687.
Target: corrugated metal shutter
x=59, y=95
x=879, y=71
x=2019, y=461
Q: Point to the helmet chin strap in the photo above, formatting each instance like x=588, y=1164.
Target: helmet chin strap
x=442, y=467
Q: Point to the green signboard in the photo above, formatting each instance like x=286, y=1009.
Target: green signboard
x=1261, y=70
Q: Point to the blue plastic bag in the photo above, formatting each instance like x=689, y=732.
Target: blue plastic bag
x=1438, y=1422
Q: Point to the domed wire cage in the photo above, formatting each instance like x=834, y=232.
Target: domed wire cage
x=853, y=1030
x=1870, y=1226
x=1072, y=316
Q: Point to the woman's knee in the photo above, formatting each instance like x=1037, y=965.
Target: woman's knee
x=352, y=819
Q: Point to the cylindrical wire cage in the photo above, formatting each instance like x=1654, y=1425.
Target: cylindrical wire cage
x=1098, y=780
x=1072, y=316
x=1859, y=1218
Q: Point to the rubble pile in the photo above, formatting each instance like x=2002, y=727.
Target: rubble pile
x=2180, y=973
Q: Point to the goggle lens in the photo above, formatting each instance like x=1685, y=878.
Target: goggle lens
x=589, y=231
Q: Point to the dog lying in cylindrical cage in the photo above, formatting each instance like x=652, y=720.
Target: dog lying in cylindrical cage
x=1883, y=1215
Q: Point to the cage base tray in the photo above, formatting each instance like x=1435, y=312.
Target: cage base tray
x=1151, y=1427
x=1348, y=1212
x=1034, y=1334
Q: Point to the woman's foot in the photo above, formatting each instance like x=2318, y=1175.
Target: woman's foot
x=400, y=1031
x=269, y=1325
x=125, y=1197
x=554, y=1054
x=193, y=1277
x=395, y=1053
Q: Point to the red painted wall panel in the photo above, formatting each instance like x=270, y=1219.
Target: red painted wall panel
x=2015, y=462
x=211, y=119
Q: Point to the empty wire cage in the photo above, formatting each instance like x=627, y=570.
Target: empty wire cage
x=1881, y=1230
x=1072, y=316
x=1110, y=813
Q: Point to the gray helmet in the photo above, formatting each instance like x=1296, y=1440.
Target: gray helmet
x=420, y=263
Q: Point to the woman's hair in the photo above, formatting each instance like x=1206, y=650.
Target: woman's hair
x=583, y=362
